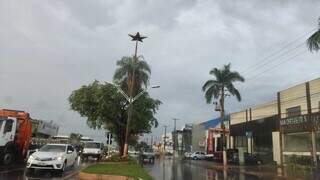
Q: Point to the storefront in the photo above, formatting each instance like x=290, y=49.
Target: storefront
x=255, y=137
x=301, y=137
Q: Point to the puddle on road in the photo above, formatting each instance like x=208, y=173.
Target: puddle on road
x=170, y=169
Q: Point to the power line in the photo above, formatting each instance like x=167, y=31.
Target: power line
x=278, y=51
x=275, y=66
x=275, y=59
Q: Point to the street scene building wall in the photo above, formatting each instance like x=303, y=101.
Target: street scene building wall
x=284, y=129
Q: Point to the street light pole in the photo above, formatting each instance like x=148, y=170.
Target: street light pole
x=131, y=81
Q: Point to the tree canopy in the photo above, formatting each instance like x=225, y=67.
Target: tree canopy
x=313, y=41
x=104, y=107
x=223, y=81
x=124, y=72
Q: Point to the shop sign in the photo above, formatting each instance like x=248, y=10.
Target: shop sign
x=300, y=123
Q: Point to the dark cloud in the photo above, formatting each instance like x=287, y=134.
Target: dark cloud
x=50, y=48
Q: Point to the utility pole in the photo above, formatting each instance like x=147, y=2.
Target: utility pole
x=131, y=82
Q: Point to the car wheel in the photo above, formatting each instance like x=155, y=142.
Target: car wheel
x=7, y=158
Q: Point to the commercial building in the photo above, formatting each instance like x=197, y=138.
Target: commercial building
x=184, y=139
x=44, y=129
x=285, y=130
x=253, y=129
x=207, y=136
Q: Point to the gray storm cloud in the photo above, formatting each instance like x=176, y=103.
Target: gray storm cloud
x=49, y=48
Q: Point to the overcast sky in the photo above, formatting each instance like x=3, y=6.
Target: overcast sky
x=50, y=48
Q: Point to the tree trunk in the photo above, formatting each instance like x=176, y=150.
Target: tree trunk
x=223, y=126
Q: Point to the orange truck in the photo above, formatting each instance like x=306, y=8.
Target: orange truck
x=15, y=135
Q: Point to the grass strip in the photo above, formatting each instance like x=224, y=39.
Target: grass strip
x=122, y=169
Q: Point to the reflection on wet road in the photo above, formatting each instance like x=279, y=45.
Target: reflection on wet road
x=173, y=169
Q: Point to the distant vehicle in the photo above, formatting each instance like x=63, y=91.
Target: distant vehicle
x=53, y=157
x=149, y=155
x=187, y=155
x=209, y=156
x=15, y=133
x=93, y=149
x=198, y=155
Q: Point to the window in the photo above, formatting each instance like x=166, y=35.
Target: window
x=240, y=141
x=294, y=111
x=70, y=148
x=8, y=126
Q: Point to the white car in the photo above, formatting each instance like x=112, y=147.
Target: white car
x=54, y=157
x=198, y=155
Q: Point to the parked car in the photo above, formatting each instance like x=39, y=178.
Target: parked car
x=53, y=157
x=209, y=157
x=198, y=155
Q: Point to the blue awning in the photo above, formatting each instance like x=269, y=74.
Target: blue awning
x=211, y=123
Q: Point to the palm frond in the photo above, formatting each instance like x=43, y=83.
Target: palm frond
x=313, y=41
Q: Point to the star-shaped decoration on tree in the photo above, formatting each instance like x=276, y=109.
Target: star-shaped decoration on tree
x=137, y=37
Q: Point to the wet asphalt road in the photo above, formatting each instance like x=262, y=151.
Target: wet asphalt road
x=19, y=173
x=173, y=169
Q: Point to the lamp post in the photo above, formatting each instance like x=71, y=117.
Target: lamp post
x=131, y=100
x=131, y=82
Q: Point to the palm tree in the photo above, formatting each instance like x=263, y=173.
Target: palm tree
x=127, y=66
x=313, y=41
x=219, y=87
x=132, y=73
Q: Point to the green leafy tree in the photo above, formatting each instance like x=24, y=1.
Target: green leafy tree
x=104, y=107
x=313, y=41
x=131, y=75
x=221, y=85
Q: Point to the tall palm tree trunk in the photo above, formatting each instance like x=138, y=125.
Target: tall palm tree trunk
x=224, y=156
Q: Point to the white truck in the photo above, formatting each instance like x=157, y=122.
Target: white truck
x=92, y=149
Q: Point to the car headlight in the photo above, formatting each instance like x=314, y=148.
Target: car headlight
x=31, y=157
x=59, y=158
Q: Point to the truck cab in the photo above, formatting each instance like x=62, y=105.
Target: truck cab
x=93, y=149
x=7, y=134
x=15, y=135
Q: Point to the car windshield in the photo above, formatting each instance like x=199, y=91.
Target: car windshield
x=92, y=145
x=53, y=148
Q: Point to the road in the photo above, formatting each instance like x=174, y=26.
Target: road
x=171, y=169
x=19, y=173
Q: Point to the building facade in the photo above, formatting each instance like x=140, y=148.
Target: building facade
x=286, y=130
x=208, y=136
